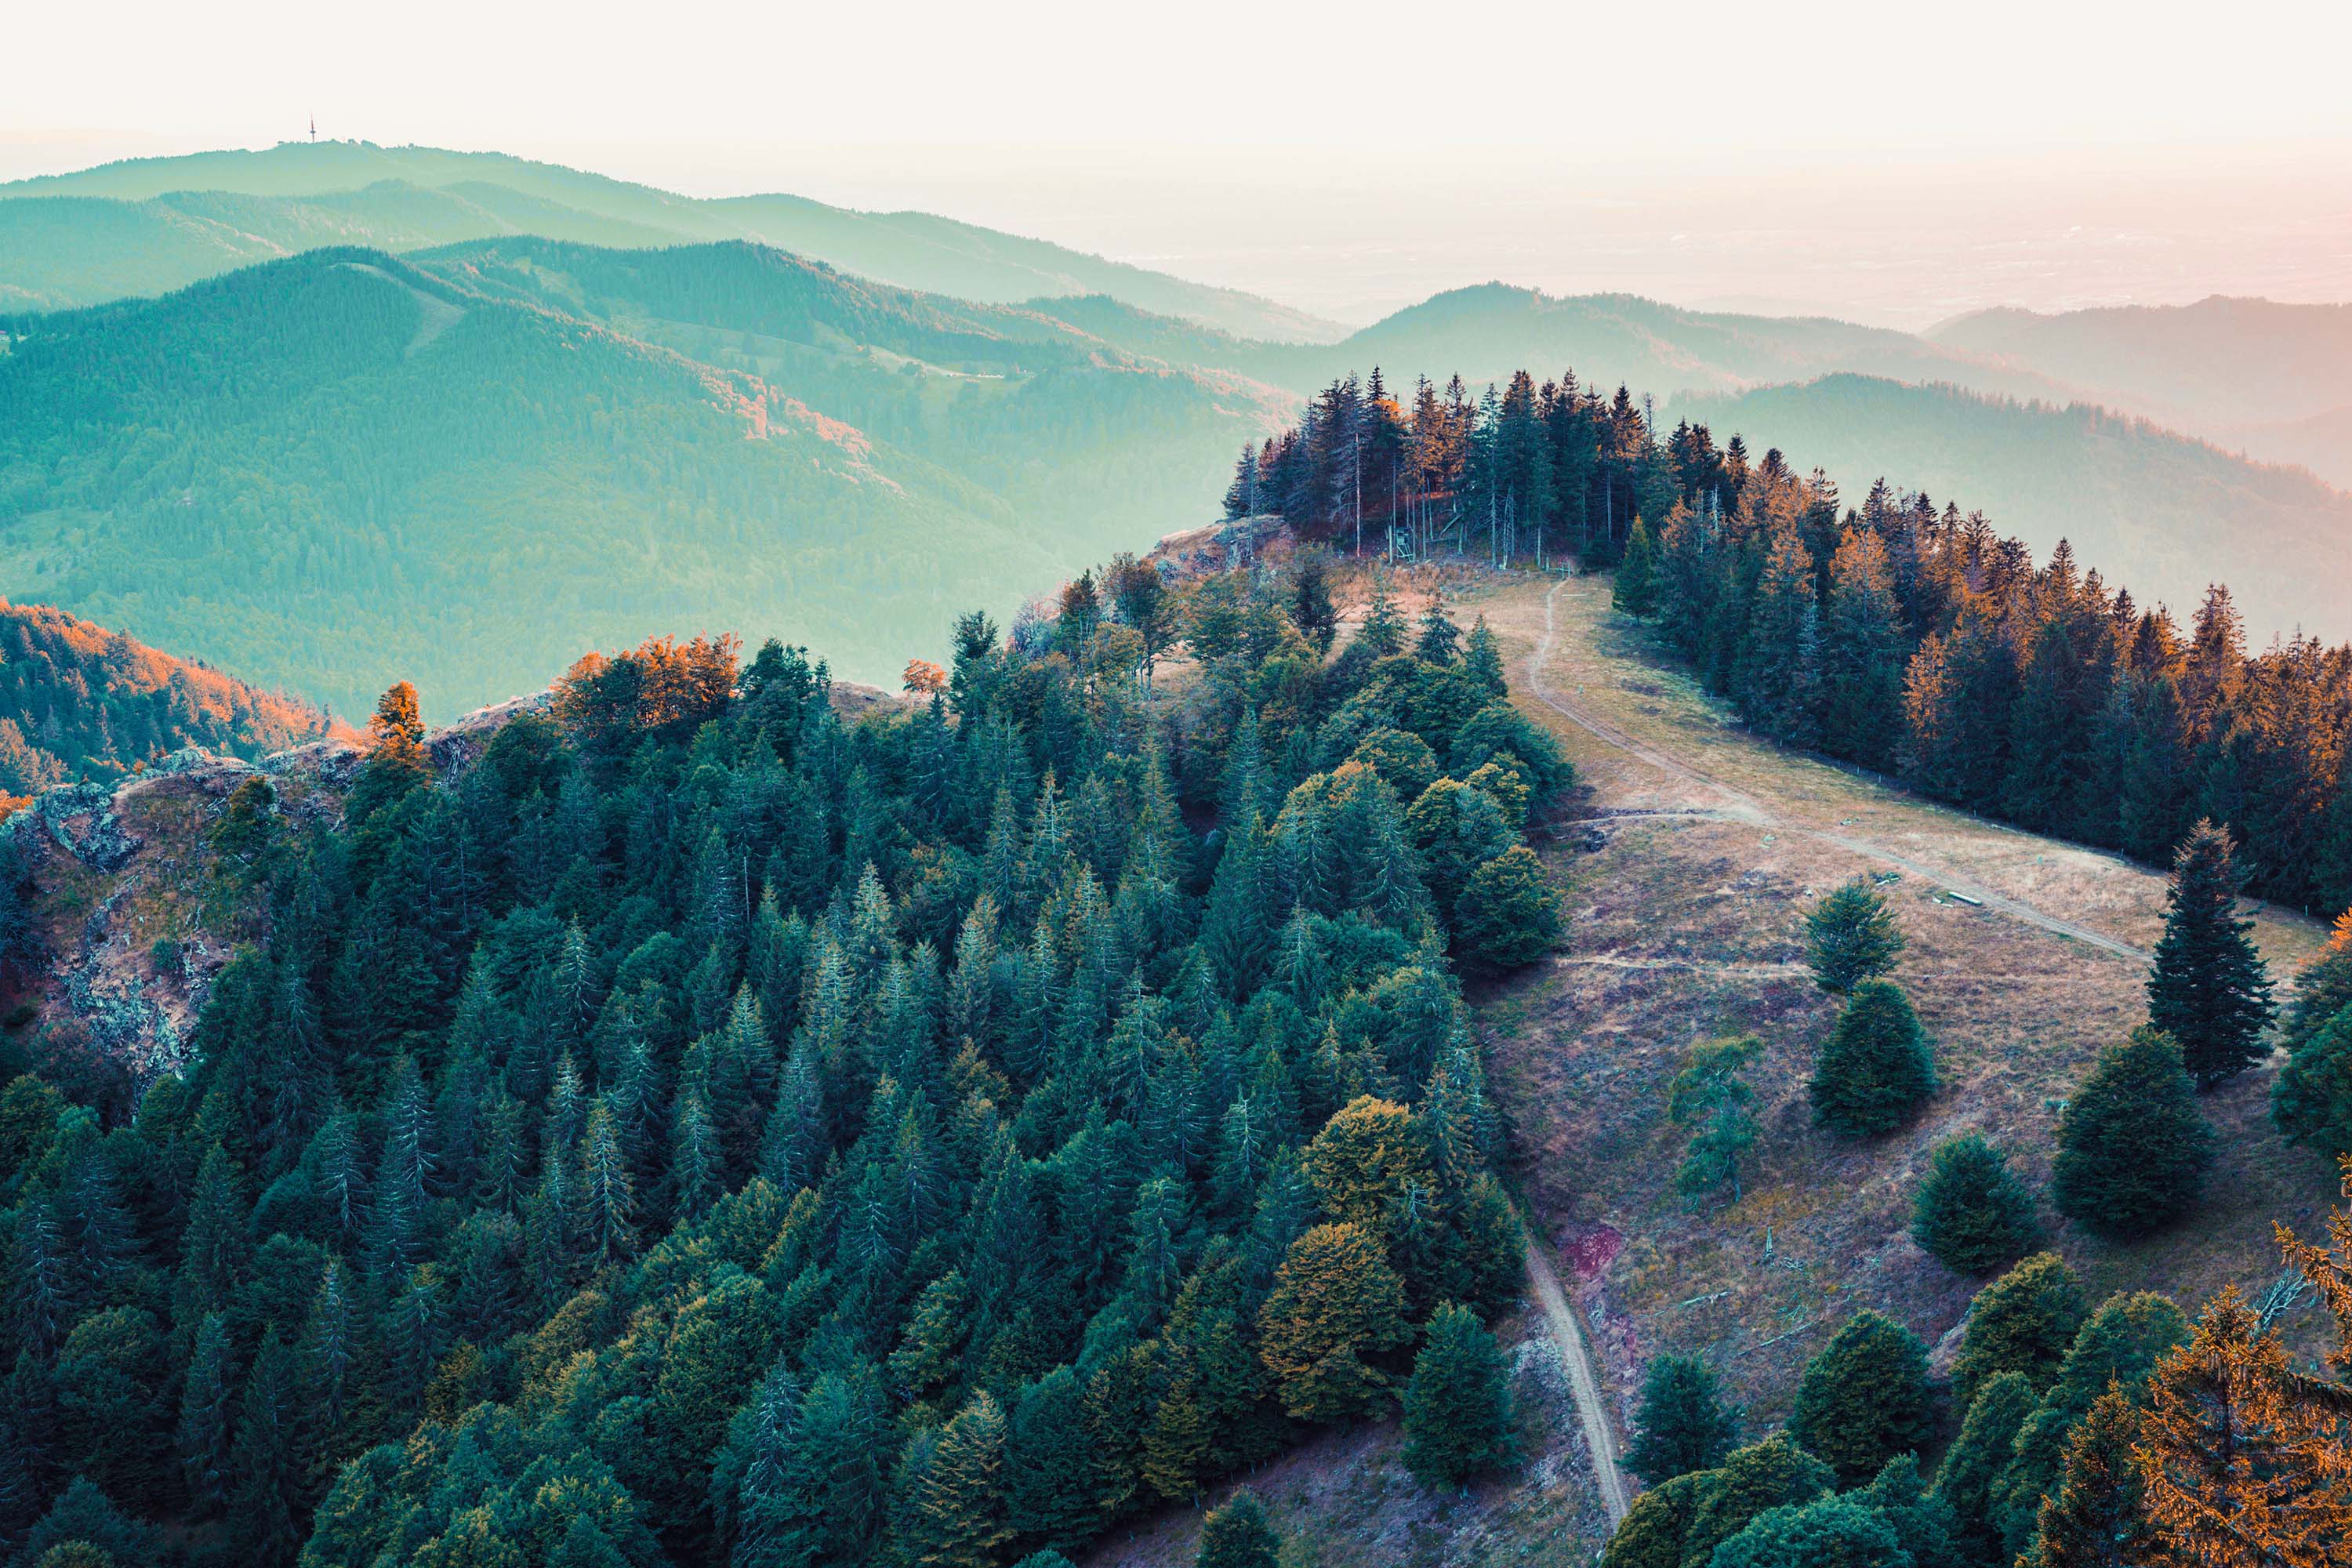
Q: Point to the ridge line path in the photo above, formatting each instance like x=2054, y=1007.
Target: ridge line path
x=1741, y=807
x=1563, y=1320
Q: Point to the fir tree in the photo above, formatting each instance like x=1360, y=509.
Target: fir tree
x=1972, y=1214
x=1508, y=914
x=1457, y=1405
x=1965, y=1477
x=1684, y=1426
x=1710, y=1096
x=1773, y=1474
x=1336, y=1310
x=2095, y=1519
x=2311, y=1103
x=1863, y=1398
x=2025, y=1322
x=2209, y=989
x=1637, y=590
x=1877, y=1071
x=2132, y=1149
x=1482, y=660
x=1851, y=936
x=207, y=1410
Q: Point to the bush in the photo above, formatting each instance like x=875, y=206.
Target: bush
x=1863, y=1398
x=1971, y=1214
x=1238, y=1535
x=1683, y=1425
x=1851, y=936
x=1876, y=1069
x=2132, y=1150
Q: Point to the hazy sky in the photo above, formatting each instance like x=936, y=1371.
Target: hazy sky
x=1889, y=160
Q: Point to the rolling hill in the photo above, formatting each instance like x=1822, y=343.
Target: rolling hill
x=2163, y=513
x=332, y=472
x=148, y=225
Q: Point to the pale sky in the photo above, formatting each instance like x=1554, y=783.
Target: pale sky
x=1884, y=160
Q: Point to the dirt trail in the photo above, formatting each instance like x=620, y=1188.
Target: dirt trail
x=1568, y=1333
x=1744, y=807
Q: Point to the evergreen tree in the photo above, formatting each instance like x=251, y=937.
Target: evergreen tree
x=2209, y=989
x=1636, y=591
x=1482, y=660
x=1238, y=1535
x=1877, y=1071
x=2311, y=1103
x=1833, y=1532
x=1972, y=1214
x=1965, y=1477
x=1864, y=642
x=1684, y=1426
x=1851, y=936
x=1509, y=914
x=2095, y=1517
x=1710, y=1096
x=1773, y=1474
x=207, y=1409
x=2025, y=1322
x=2132, y=1149
x=1457, y=1405
x=1863, y=1398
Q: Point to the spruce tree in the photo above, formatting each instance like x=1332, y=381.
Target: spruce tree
x=1636, y=589
x=2132, y=1149
x=1508, y=914
x=1863, y=1398
x=2095, y=1518
x=1851, y=936
x=1772, y=1474
x=2311, y=1103
x=1877, y=1071
x=1482, y=660
x=1972, y=1214
x=958, y=1507
x=2209, y=989
x=2025, y=1322
x=1238, y=1535
x=1833, y=1532
x=1684, y=1426
x=1865, y=645
x=1457, y=1405
x=1965, y=1477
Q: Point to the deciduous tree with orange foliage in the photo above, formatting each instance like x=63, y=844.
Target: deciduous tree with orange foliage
x=922, y=678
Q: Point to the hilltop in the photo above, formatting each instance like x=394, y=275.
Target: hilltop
x=147, y=225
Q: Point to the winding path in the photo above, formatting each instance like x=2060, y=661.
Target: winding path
x=1741, y=807
x=1564, y=1323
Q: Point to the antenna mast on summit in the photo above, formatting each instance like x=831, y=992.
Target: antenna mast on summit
x=314, y=128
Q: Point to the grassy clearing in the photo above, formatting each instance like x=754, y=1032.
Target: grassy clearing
x=1683, y=927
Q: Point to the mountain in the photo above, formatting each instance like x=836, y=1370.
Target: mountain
x=151, y=225
x=2222, y=360
x=78, y=700
x=335, y=471
x=2162, y=513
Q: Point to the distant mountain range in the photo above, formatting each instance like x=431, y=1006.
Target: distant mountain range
x=147, y=225
x=331, y=471
x=634, y=411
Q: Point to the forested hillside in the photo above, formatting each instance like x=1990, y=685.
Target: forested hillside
x=78, y=700
x=705, y=1130
x=1901, y=634
x=345, y=468
x=2166, y=513
x=147, y=225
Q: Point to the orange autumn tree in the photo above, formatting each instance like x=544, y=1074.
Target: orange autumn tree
x=922, y=678
x=2242, y=1458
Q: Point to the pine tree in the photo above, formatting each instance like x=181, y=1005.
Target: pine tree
x=1972, y=1214
x=1965, y=1477
x=1636, y=589
x=1482, y=660
x=1684, y=1426
x=958, y=1508
x=2132, y=1149
x=1864, y=643
x=2311, y=1103
x=1863, y=1398
x=1877, y=1071
x=2025, y=1322
x=1457, y=1406
x=1238, y=1535
x=2096, y=1518
x=1049, y=1463
x=1710, y=1096
x=2209, y=989
x=1851, y=936
x=206, y=1409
